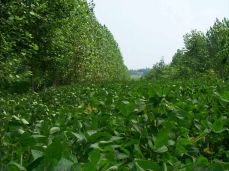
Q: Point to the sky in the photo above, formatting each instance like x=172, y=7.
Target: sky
x=149, y=30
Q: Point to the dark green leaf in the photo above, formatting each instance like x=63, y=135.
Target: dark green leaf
x=12, y=166
x=53, y=151
x=94, y=156
x=144, y=165
x=26, y=140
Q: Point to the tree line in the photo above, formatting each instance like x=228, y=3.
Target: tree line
x=203, y=55
x=139, y=72
x=50, y=43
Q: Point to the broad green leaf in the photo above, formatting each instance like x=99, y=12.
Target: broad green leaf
x=45, y=127
x=94, y=156
x=12, y=166
x=218, y=125
x=26, y=140
x=125, y=151
x=144, y=165
x=161, y=139
x=191, y=150
x=115, y=138
x=15, y=117
x=150, y=144
x=28, y=34
x=204, y=123
x=20, y=131
x=171, y=143
x=202, y=160
x=37, y=165
x=53, y=151
x=121, y=156
x=36, y=154
x=112, y=168
x=95, y=99
x=89, y=167
x=63, y=165
x=131, y=142
x=179, y=114
x=184, y=141
x=94, y=124
x=176, y=165
x=43, y=5
x=35, y=47
x=180, y=148
x=40, y=138
x=161, y=149
x=76, y=167
x=99, y=135
x=169, y=159
x=125, y=102
x=32, y=13
x=80, y=136
x=204, y=167
x=73, y=158
x=226, y=95
x=217, y=167
x=96, y=146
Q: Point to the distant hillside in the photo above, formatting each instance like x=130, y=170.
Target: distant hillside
x=139, y=72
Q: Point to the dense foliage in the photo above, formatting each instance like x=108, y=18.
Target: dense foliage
x=167, y=122
x=117, y=126
x=44, y=43
x=202, y=55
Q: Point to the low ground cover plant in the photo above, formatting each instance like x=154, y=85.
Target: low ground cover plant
x=138, y=125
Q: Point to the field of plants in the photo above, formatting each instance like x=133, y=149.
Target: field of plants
x=138, y=125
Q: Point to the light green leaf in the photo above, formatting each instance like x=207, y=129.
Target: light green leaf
x=202, y=160
x=63, y=165
x=121, y=156
x=43, y=5
x=28, y=34
x=20, y=131
x=115, y=138
x=35, y=47
x=80, y=136
x=36, y=154
x=161, y=149
x=25, y=122
x=112, y=168
x=54, y=130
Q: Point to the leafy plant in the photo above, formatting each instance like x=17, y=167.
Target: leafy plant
x=117, y=126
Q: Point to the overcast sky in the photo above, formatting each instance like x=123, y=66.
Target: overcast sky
x=147, y=30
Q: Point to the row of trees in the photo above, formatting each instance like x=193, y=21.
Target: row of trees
x=49, y=43
x=139, y=72
x=202, y=55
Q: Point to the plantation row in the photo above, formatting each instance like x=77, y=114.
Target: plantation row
x=51, y=43
x=117, y=126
